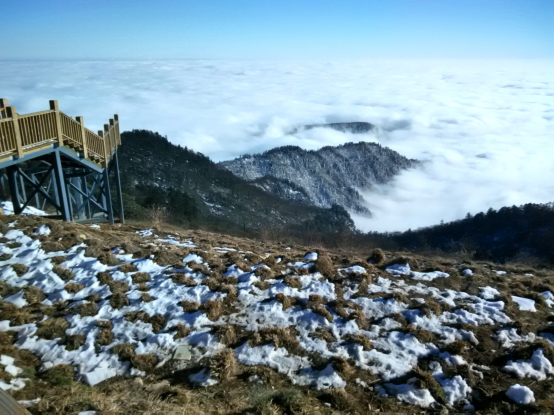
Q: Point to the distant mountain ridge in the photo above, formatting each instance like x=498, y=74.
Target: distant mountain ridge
x=328, y=176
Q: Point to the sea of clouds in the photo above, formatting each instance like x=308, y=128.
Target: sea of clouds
x=485, y=130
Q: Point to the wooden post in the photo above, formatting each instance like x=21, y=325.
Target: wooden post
x=105, y=163
x=3, y=105
x=112, y=136
x=54, y=107
x=10, y=112
x=83, y=135
x=107, y=145
x=116, y=118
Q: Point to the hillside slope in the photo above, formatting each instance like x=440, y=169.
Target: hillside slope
x=523, y=233
x=199, y=192
x=171, y=321
x=330, y=175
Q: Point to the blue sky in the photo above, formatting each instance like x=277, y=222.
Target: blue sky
x=276, y=29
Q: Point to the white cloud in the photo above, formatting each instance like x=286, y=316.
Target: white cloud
x=484, y=129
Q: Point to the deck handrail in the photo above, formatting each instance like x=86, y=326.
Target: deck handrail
x=21, y=134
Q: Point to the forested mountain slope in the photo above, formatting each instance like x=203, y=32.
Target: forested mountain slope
x=511, y=233
x=196, y=190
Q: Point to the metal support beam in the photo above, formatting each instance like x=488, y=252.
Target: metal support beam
x=34, y=178
x=14, y=191
x=80, y=207
x=118, y=188
x=60, y=186
x=106, y=194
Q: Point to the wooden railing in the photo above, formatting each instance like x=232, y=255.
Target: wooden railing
x=24, y=134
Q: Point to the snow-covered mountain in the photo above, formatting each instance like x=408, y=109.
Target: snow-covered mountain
x=330, y=175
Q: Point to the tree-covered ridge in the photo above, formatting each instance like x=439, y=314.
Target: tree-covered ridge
x=199, y=192
x=510, y=233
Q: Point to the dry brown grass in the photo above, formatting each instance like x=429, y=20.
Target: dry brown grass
x=145, y=297
x=33, y=294
x=293, y=282
x=324, y=265
x=73, y=287
x=109, y=259
x=135, y=316
x=182, y=331
x=124, y=351
x=144, y=362
x=105, y=337
x=19, y=269
x=118, y=286
x=119, y=300
x=213, y=309
x=224, y=365
x=322, y=311
x=140, y=277
x=73, y=342
x=361, y=339
x=189, y=306
x=128, y=268
x=286, y=301
x=104, y=278
x=158, y=322
x=323, y=334
x=260, y=284
x=65, y=274
x=280, y=337
x=85, y=309
x=180, y=278
x=377, y=256
x=52, y=328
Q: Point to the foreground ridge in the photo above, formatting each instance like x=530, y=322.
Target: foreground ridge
x=292, y=328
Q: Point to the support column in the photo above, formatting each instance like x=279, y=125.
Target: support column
x=37, y=201
x=78, y=198
x=118, y=188
x=14, y=191
x=106, y=193
x=84, y=188
x=60, y=186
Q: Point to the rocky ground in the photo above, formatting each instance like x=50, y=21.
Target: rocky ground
x=127, y=319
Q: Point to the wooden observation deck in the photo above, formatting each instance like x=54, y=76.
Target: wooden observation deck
x=52, y=159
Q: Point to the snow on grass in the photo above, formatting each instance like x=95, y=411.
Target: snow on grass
x=489, y=293
x=394, y=352
x=467, y=272
x=404, y=269
x=353, y=269
x=520, y=394
x=410, y=394
x=203, y=378
x=192, y=258
x=17, y=299
x=508, y=337
x=7, y=207
x=455, y=389
x=537, y=368
x=311, y=256
x=10, y=368
x=43, y=229
x=548, y=298
x=525, y=304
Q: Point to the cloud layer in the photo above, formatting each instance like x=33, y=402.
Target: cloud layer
x=484, y=129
